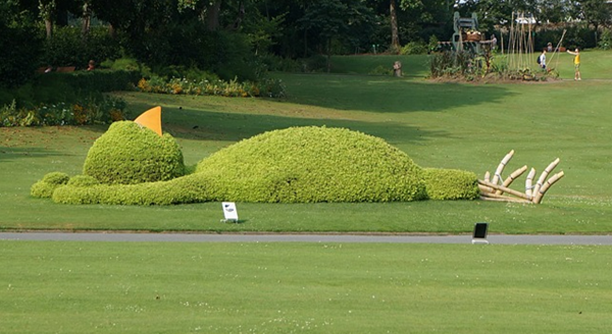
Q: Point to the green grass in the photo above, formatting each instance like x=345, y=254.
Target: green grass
x=595, y=64
x=462, y=126
x=77, y=287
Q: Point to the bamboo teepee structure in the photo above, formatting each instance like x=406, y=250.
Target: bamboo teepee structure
x=520, y=41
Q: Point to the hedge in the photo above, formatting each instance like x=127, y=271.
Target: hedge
x=128, y=153
x=450, y=184
x=295, y=165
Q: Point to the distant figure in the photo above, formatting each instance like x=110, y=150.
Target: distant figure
x=397, y=68
x=549, y=47
x=493, y=42
x=91, y=65
x=576, y=54
x=542, y=59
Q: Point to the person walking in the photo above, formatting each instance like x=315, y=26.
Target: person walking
x=576, y=54
x=542, y=60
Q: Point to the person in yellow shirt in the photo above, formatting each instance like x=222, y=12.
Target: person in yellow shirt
x=576, y=55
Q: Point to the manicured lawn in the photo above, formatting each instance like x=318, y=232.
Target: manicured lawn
x=78, y=287
x=75, y=287
x=462, y=126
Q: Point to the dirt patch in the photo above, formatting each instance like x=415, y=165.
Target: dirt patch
x=493, y=80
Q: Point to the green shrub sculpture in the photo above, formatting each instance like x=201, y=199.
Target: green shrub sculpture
x=295, y=165
x=129, y=154
x=51, y=181
x=450, y=184
x=313, y=164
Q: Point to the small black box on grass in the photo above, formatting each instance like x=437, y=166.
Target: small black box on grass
x=480, y=233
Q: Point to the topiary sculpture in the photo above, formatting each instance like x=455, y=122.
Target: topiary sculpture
x=44, y=188
x=313, y=164
x=294, y=165
x=129, y=153
x=450, y=184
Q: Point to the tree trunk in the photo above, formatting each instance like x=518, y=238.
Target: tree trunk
x=329, y=42
x=86, y=20
x=112, y=31
x=305, y=43
x=395, y=44
x=239, y=18
x=49, y=28
x=212, y=16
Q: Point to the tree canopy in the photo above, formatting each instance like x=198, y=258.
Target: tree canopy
x=208, y=33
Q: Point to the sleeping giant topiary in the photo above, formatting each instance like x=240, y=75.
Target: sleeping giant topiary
x=128, y=154
x=295, y=165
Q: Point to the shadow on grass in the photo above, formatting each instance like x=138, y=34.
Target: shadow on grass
x=385, y=94
x=216, y=126
x=13, y=153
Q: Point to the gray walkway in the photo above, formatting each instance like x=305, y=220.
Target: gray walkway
x=179, y=237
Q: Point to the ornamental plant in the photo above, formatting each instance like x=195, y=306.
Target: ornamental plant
x=450, y=184
x=313, y=164
x=294, y=165
x=128, y=153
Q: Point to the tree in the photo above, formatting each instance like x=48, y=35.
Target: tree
x=395, y=42
x=423, y=18
x=20, y=44
x=492, y=13
x=554, y=11
x=595, y=12
x=335, y=19
x=46, y=10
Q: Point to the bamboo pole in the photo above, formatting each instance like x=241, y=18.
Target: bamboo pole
x=538, y=197
x=557, y=49
x=512, y=177
x=505, y=199
x=485, y=189
x=487, y=176
x=544, y=175
x=505, y=189
x=501, y=166
x=529, y=182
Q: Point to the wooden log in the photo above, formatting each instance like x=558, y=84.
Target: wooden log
x=544, y=175
x=529, y=182
x=505, y=189
x=512, y=177
x=538, y=197
x=500, y=167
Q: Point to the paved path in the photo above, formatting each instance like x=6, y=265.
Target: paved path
x=181, y=237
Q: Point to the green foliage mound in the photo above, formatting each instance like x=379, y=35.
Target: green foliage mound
x=51, y=181
x=295, y=165
x=450, y=184
x=187, y=189
x=313, y=164
x=83, y=181
x=128, y=153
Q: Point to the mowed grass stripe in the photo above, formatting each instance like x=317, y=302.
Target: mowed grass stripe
x=76, y=287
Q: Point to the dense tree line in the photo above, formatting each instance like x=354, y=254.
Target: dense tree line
x=225, y=35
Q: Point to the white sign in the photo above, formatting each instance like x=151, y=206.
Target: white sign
x=229, y=211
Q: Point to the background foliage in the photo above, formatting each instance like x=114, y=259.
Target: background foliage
x=230, y=37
